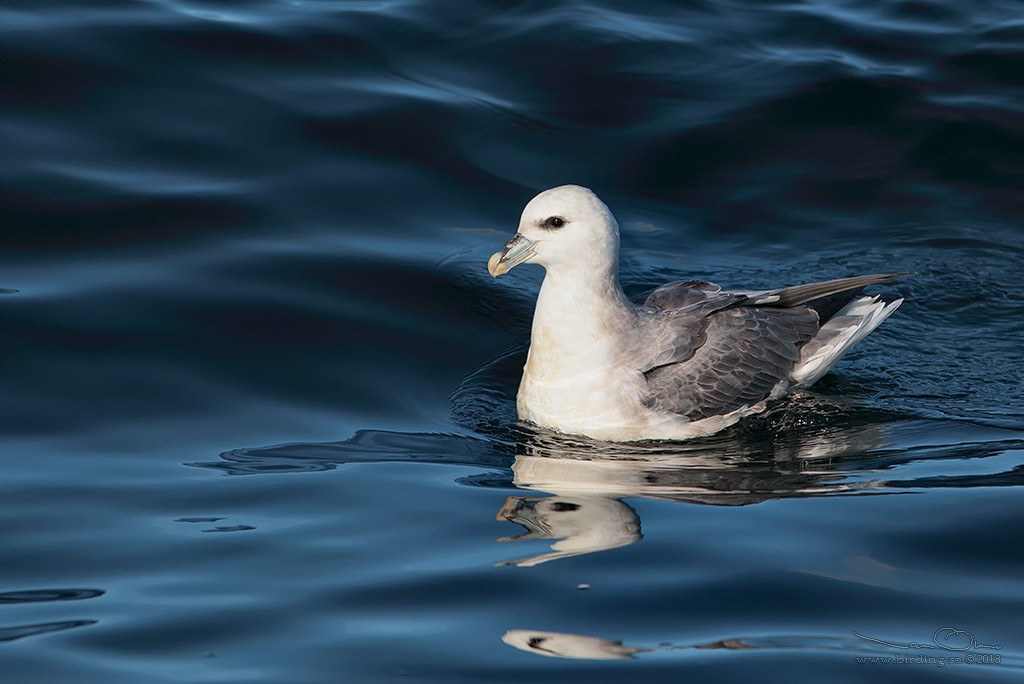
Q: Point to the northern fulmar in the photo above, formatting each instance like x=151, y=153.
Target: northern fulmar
x=691, y=361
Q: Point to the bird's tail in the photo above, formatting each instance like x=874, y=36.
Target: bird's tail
x=848, y=327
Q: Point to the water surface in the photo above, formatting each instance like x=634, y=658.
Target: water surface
x=258, y=388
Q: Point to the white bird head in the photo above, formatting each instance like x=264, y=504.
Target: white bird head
x=566, y=227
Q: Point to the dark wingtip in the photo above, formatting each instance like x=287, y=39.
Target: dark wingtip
x=888, y=276
x=801, y=294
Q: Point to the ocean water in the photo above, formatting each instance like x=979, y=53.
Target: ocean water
x=257, y=417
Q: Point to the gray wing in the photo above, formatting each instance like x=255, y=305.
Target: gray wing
x=673, y=337
x=716, y=351
x=740, y=355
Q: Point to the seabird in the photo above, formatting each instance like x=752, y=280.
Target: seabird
x=691, y=361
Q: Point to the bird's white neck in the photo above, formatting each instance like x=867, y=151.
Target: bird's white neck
x=576, y=308
x=574, y=379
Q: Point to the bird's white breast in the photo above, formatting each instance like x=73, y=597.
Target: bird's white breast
x=576, y=379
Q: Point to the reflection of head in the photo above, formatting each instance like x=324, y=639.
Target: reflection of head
x=583, y=523
x=557, y=645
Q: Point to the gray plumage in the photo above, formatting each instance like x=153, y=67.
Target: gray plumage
x=732, y=349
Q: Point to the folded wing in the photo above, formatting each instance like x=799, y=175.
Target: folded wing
x=716, y=352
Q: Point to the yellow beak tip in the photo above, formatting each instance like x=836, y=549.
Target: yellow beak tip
x=495, y=266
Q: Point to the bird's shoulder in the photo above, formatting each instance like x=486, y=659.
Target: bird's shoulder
x=682, y=293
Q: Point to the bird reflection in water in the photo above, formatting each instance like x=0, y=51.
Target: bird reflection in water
x=587, y=481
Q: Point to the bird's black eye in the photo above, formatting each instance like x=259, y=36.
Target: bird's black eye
x=554, y=222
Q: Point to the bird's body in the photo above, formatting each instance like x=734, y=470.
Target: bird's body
x=691, y=361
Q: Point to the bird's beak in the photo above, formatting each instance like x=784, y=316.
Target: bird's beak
x=517, y=250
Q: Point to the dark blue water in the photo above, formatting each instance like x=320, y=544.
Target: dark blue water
x=257, y=389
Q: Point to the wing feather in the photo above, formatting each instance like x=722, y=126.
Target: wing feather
x=715, y=352
x=747, y=353
x=801, y=294
x=683, y=293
